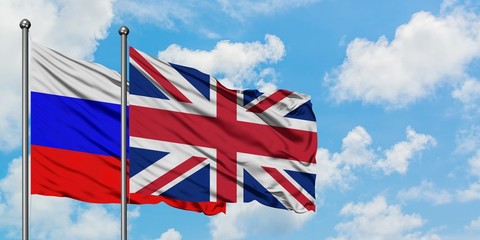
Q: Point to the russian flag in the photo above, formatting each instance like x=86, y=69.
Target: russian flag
x=75, y=132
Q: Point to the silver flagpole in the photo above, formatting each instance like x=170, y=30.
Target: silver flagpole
x=123, y=31
x=25, y=26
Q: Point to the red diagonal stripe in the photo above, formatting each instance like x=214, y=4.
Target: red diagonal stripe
x=171, y=175
x=295, y=192
x=269, y=101
x=157, y=76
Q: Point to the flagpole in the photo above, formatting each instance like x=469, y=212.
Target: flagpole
x=25, y=26
x=123, y=31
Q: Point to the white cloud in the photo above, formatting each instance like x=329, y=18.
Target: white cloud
x=470, y=194
x=448, y=5
x=242, y=9
x=411, y=66
x=474, y=163
x=337, y=168
x=468, y=140
x=398, y=157
x=91, y=222
x=249, y=219
x=170, y=234
x=69, y=26
x=378, y=220
x=420, y=236
x=425, y=191
x=235, y=63
x=331, y=171
x=52, y=217
x=473, y=226
x=355, y=151
x=197, y=15
x=169, y=14
x=164, y=13
x=133, y=213
x=468, y=94
x=10, y=196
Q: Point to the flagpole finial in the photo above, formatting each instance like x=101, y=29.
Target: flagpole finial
x=123, y=30
x=25, y=24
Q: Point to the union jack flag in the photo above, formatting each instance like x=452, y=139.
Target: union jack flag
x=195, y=140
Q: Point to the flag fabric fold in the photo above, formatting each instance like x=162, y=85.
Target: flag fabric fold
x=195, y=140
x=75, y=132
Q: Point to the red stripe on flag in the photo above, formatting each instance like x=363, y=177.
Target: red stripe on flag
x=177, y=171
x=226, y=144
x=157, y=76
x=78, y=175
x=269, y=101
x=93, y=178
x=294, y=191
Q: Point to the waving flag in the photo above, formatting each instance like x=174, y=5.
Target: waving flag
x=75, y=132
x=195, y=140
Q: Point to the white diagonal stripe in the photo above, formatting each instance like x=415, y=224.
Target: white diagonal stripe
x=253, y=164
x=177, y=154
x=274, y=116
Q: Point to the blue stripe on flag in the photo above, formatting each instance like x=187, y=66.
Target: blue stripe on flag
x=306, y=180
x=195, y=188
x=303, y=112
x=199, y=80
x=142, y=158
x=254, y=191
x=75, y=124
x=250, y=95
x=140, y=85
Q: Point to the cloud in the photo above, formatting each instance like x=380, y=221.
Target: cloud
x=398, y=157
x=197, y=16
x=379, y=220
x=468, y=94
x=413, y=65
x=168, y=14
x=468, y=139
x=163, y=13
x=474, y=163
x=51, y=217
x=133, y=213
x=244, y=68
x=470, y=194
x=473, y=226
x=170, y=234
x=331, y=171
x=250, y=219
x=11, y=197
x=425, y=191
x=337, y=168
x=242, y=9
x=355, y=151
x=69, y=26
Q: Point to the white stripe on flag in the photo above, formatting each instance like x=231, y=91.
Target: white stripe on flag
x=54, y=73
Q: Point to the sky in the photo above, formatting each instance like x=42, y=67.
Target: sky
x=395, y=88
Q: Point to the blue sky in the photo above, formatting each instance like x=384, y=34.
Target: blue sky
x=395, y=88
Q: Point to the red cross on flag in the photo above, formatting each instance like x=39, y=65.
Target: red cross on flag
x=195, y=140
